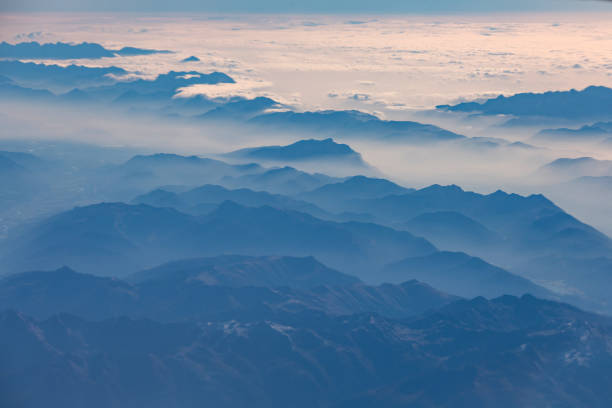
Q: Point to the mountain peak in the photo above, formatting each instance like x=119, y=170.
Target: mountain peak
x=248, y=271
x=437, y=188
x=590, y=103
x=564, y=161
x=307, y=149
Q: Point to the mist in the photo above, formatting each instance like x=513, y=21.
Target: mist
x=306, y=210
x=472, y=164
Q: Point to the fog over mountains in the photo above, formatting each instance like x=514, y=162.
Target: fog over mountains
x=168, y=239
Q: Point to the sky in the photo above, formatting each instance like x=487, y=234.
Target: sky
x=297, y=6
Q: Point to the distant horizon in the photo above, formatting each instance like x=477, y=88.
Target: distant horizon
x=224, y=15
x=356, y=7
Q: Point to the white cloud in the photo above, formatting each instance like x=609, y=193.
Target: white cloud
x=402, y=61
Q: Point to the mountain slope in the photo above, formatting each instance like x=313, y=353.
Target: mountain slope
x=572, y=168
x=334, y=196
x=165, y=84
x=354, y=123
x=239, y=271
x=117, y=238
x=284, y=180
x=452, y=230
x=204, y=199
x=506, y=352
x=108, y=238
x=462, y=275
x=241, y=109
x=60, y=50
x=591, y=102
x=215, y=289
x=66, y=291
x=57, y=77
x=531, y=225
x=596, y=131
x=303, y=150
x=143, y=173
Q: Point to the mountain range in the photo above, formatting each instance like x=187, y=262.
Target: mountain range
x=281, y=180
x=201, y=200
x=241, y=109
x=595, y=131
x=532, y=224
x=341, y=124
x=463, y=275
x=158, y=97
x=60, y=50
x=233, y=328
x=56, y=77
x=215, y=289
x=506, y=352
x=121, y=237
x=336, y=196
x=514, y=232
x=321, y=151
x=115, y=238
x=573, y=168
x=593, y=102
x=297, y=213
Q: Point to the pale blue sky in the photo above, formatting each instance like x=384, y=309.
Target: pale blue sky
x=298, y=6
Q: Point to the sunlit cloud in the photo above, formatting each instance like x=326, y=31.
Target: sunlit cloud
x=414, y=62
x=244, y=88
